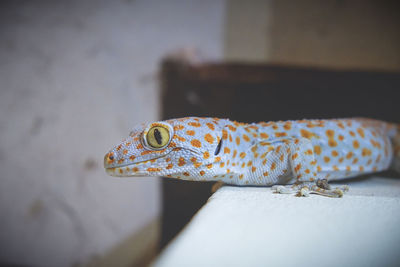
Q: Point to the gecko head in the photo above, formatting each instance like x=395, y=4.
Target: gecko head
x=174, y=148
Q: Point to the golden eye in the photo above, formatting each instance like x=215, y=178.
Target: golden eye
x=157, y=137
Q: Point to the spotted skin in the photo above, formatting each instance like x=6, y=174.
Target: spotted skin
x=266, y=153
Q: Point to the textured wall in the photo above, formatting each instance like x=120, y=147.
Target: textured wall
x=337, y=34
x=74, y=77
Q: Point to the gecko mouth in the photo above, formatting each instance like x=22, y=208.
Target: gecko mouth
x=132, y=169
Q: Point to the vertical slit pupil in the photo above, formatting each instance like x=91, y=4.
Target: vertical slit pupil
x=157, y=136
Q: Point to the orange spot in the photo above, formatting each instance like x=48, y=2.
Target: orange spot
x=195, y=143
x=209, y=166
x=146, y=152
x=211, y=126
x=190, y=132
x=186, y=174
x=348, y=168
x=224, y=134
x=230, y=138
x=132, y=157
x=139, y=146
x=241, y=176
x=332, y=143
x=356, y=144
x=355, y=160
x=317, y=150
x=227, y=150
x=378, y=159
x=206, y=155
x=209, y=138
x=264, y=135
x=120, y=161
x=180, y=138
x=306, y=134
x=202, y=173
x=327, y=159
x=135, y=169
x=153, y=169
x=335, y=168
x=242, y=155
x=172, y=144
x=273, y=166
x=369, y=162
x=360, y=131
x=307, y=171
x=319, y=168
x=234, y=153
x=121, y=171
x=178, y=127
x=361, y=168
x=249, y=163
x=265, y=173
x=194, y=124
x=181, y=162
x=366, y=152
x=264, y=161
x=352, y=133
x=297, y=168
x=294, y=156
x=340, y=125
x=280, y=134
x=341, y=137
x=233, y=129
x=281, y=157
x=287, y=126
x=253, y=169
x=246, y=138
x=330, y=133
x=119, y=147
x=222, y=164
x=217, y=159
x=334, y=153
x=238, y=140
x=349, y=155
x=308, y=152
x=341, y=160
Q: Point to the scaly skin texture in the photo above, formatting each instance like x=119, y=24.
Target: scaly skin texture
x=284, y=152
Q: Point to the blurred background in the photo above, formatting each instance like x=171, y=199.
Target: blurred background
x=75, y=76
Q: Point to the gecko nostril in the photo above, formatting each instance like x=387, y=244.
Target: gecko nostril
x=110, y=157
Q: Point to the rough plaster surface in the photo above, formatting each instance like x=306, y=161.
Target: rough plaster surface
x=75, y=76
x=254, y=227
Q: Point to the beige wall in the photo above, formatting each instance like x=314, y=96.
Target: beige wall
x=337, y=34
x=75, y=76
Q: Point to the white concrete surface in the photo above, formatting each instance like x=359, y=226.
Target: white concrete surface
x=75, y=76
x=249, y=226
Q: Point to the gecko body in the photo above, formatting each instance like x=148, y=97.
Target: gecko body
x=267, y=153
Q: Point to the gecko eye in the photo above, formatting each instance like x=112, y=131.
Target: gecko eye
x=158, y=137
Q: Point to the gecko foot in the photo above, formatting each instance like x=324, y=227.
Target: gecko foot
x=304, y=189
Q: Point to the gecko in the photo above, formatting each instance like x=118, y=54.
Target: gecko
x=298, y=156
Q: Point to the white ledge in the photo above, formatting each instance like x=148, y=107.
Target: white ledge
x=249, y=226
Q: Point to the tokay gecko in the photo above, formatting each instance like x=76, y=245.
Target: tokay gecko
x=292, y=156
